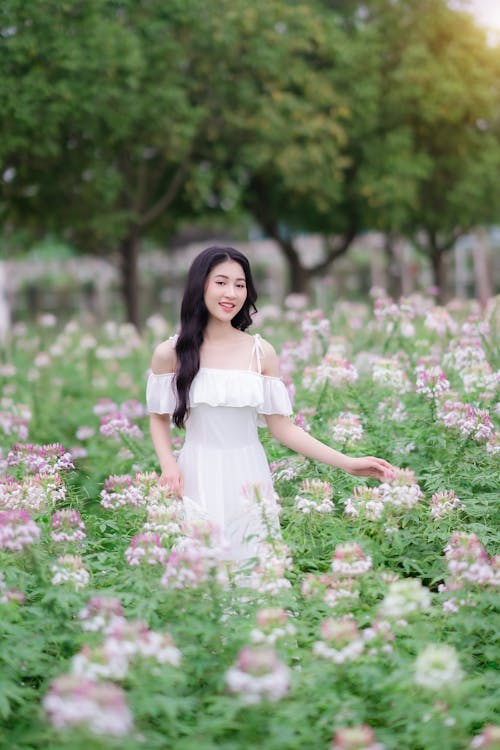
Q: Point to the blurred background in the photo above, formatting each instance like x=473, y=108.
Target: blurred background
x=341, y=145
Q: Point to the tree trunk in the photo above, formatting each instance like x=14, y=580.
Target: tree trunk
x=300, y=276
x=482, y=268
x=129, y=253
x=438, y=275
x=393, y=269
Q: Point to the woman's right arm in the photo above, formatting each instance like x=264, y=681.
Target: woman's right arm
x=164, y=361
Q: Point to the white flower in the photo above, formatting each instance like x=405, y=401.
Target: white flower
x=437, y=667
x=404, y=598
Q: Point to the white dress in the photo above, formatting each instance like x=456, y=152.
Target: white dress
x=222, y=455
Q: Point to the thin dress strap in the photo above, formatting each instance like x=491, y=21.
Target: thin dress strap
x=256, y=352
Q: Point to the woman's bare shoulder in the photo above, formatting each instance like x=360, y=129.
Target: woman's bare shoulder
x=164, y=358
x=270, y=361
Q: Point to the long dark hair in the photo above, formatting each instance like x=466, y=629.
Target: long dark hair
x=194, y=318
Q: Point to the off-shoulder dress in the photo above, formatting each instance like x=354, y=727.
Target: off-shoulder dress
x=222, y=455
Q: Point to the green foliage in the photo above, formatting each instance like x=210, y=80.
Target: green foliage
x=188, y=707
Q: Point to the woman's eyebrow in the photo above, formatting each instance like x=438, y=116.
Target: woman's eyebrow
x=222, y=276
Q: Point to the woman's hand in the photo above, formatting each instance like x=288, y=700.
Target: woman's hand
x=173, y=478
x=369, y=466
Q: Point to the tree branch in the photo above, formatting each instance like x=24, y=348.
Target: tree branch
x=170, y=194
x=335, y=251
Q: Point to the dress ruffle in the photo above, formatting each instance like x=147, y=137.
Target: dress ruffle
x=217, y=387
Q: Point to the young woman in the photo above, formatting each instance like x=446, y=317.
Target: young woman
x=220, y=383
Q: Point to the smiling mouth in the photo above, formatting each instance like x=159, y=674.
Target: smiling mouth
x=227, y=306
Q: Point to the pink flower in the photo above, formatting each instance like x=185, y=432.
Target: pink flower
x=258, y=675
x=40, y=459
x=341, y=642
x=104, y=406
x=355, y=738
x=189, y=567
x=444, y=503
x=347, y=429
x=9, y=595
x=350, y=560
x=99, y=707
x=70, y=569
x=489, y=739
x=133, y=409
x=68, y=526
x=468, y=562
x=315, y=495
x=117, y=424
x=431, y=381
x=271, y=625
x=100, y=613
x=146, y=548
x=17, y=530
x=119, y=491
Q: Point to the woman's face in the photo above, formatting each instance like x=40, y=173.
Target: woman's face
x=225, y=290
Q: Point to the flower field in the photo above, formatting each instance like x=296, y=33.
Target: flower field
x=370, y=622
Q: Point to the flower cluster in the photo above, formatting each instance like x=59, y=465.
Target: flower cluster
x=365, y=502
x=34, y=493
x=404, y=598
x=349, y=563
x=124, y=643
x=119, y=491
x=347, y=429
x=330, y=588
x=467, y=358
x=386, y=501
x=70, y=569
x=146, y=548
x=392, y=409
x=437, y=668
x=271, y=625
x=67, y=526
x=469, y=564
x=444, y=503
x=431, y=381
x=17, y=530
x=402, y=492
x=268, y=575
x=390, y=373
x=100, y=613
x=14, y=419
x=117, y=424
x=40, y=459
x=99, y=707
x=314, y=323
x=190, y=567
x=314, y=495
x=9, y=595
x=258, y=675
x=473, y=423
x=489, y=739
x=104, y=406
x=165, y=520
x=333, y=369
x=355, y=738
x=341, y=640
x=287, y=468
x=439, y=320
x=144, y=489
x=349, y=560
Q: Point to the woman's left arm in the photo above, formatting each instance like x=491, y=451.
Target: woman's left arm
x=295, y=438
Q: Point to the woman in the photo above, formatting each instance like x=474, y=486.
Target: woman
x=220, y=382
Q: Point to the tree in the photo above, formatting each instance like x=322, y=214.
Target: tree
x=115, y=112
x=441, y=83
